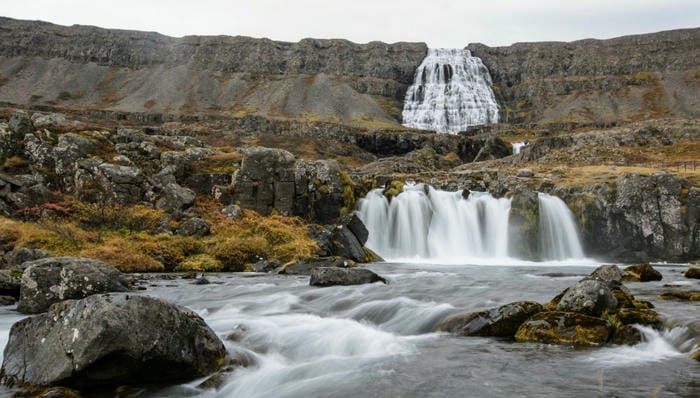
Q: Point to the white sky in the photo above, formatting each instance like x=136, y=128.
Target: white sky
x=440, y=23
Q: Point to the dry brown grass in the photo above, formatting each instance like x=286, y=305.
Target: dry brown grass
x=233, y=246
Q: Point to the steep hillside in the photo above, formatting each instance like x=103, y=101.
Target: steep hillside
x=87, y=67
x=598, y=82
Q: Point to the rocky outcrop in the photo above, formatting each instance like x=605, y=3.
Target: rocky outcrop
x=110, y=340
x=599, y=82
x=55, y=279
x=332, y=276
x=151, y=73
x=638, y=217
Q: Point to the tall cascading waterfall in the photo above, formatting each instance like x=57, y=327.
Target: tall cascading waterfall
x=559, y=238
x=426, y=223
x=451, y=91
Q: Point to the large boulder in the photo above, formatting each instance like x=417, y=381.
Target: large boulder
x=55, y=279
x=588, y=296
x=554, y=327
x=331, y=276
x=346, y=244
x=503, y=321
x=642, y=273
x=109, y=340
x=266, y=180
x=176, y=198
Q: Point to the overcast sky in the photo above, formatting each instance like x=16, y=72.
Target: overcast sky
x=440, y=23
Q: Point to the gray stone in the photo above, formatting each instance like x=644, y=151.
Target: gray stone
x=109, y=340
x=357, y=227
x=20, y=124
x=176, y=198
x=17, y=257
x=55, y=279
x=232, y=212
x=589, y=297
x=266, y=180
x=503, y=321
x=266, y=266
x=48, y=120
x=193, y=227
x=332, y=276
x=346, y=244
x=609, y=273
x=525, y=173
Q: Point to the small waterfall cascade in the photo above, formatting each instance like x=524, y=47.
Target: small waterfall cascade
x=426, y=223
x=517, y=146
x=559, y=237
x=451, y=91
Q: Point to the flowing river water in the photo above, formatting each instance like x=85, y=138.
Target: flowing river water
x=376, y=340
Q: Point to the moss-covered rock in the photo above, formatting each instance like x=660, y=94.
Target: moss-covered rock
x=556, y=327
x=680, y=295
x=524, y=224
x=642, y=273
x=370, y=256
x=692, y=272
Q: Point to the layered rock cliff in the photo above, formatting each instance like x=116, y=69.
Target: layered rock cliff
x=84, y=67
x=599, y=82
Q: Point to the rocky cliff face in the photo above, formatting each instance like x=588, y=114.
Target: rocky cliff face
x=89, y=67
x=597, y=81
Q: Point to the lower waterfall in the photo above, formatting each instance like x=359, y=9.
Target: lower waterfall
x=424, y=223
x=559, y=238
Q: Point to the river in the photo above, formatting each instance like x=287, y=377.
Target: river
x=376, y=340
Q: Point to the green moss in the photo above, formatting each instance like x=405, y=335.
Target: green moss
x=349, y=199
x=393, y=189
x=200, y=262
x=370, y=256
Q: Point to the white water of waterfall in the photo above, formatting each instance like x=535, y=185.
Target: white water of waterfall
x=451, y=91
x=430, y=224
x=559, y=239
x=517, y=146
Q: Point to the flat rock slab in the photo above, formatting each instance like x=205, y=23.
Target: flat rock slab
x=332, y=276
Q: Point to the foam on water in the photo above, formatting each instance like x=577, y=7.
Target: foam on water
x=656, y=346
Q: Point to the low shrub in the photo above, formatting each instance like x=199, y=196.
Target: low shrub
x=200, y=262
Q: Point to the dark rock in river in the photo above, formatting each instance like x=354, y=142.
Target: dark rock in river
x=503, y=321
x=555, y=327
x=54, y=279
x=331, y=276
x=107, y=340
x=305, y=267
x=588, y=296
x=642, y=273
x=692, y=273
